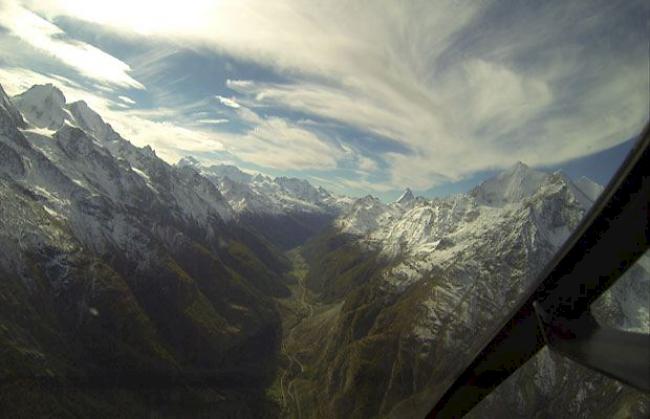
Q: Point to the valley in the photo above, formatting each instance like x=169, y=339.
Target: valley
x=301, y=313
x=299, y=309
x=233, y=295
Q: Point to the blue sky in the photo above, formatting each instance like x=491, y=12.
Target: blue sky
x=359, y=97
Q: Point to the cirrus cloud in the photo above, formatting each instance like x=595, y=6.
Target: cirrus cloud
x=49, y=39
x=458, y=87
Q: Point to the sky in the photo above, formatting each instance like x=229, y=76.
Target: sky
x=357, y=96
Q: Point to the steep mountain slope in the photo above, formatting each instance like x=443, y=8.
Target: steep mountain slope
x=416, y=286
x=131, y=270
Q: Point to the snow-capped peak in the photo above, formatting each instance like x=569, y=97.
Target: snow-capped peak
x=422, y=225
x=188, y=161
x=299, y=188
x=234, y=173
x=406, y=197
x=43, y=106
x=90, y=121
x=260, y=178
x=512, y=185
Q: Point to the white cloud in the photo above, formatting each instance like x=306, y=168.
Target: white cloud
x=127, y=100
x=444, y=128
x=16, y=80
x=364, y=185
x=495, y=96
x=145, y=17
x=459, y=94
x=49, y=39
x=229, y=102
x=239, y=84
x=213, y=121
x=280, y=144
x=366, y=164
x=170, y=140
x=350, y=187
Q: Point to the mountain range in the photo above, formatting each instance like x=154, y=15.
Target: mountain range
x=130, y=285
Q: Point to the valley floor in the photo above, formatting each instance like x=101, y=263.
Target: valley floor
x=302, y=315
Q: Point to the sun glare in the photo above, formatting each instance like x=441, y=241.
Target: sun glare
x=147, y=17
